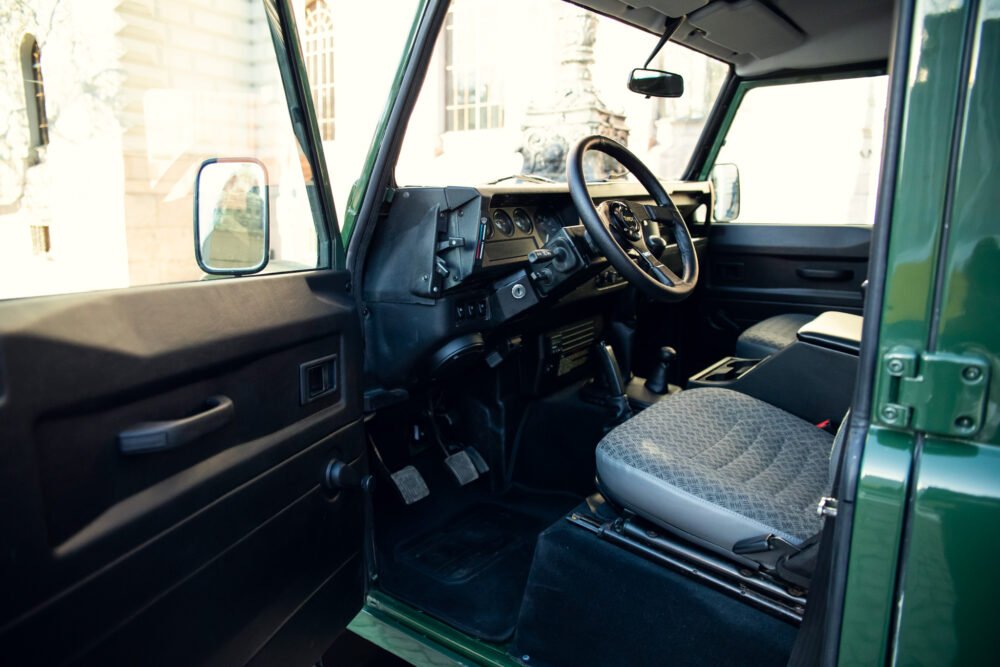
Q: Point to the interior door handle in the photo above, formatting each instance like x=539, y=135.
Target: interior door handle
x=158, y=436
x=831, y=275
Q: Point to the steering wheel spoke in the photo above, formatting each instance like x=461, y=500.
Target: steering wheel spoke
x=657, y=269
x=664, y=214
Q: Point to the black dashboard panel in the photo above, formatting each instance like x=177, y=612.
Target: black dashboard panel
x=468, y=264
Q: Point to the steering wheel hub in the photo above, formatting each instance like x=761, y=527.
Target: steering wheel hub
x=626, y=221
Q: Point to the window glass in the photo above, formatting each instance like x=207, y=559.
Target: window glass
x=808, y=153
x=353, y=48
x=318, y=50
x=513, y=84
x=98, y=158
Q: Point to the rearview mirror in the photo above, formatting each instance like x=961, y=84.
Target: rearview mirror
x=726, y=186
x=231, y=235
x=656, y=83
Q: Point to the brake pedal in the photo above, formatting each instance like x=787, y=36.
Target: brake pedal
x=410, y=484
x=462, y=467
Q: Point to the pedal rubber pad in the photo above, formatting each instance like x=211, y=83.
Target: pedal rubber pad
x=410, y=484
x=477, y=460
x=462, y=467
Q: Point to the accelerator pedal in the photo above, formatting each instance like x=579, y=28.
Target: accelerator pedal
x=477, y=460
x=410, y=484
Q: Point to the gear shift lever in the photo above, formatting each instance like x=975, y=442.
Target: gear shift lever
x=657, y=381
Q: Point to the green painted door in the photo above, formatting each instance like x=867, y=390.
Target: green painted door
x=921, y=582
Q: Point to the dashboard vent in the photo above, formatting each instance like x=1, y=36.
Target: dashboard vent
x=569, y=347
x=573, y=337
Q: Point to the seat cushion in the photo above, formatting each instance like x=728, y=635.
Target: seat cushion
x=718, y=466
x=767, y=337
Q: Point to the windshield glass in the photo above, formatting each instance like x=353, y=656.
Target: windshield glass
x=513, y=84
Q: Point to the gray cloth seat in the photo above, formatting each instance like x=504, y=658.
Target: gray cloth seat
x=768, y=336
x=717, y=466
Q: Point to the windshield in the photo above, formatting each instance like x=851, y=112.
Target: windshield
x=512, y=85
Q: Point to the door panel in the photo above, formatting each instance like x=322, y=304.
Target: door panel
x=216, y=550
x=755, y=271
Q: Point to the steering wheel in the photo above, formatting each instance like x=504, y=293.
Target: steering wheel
x=623, y=230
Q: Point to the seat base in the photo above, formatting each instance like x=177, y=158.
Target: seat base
x=717, y=466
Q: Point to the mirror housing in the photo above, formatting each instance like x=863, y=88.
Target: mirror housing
x=655, y=83
x=231, y=216
x=726, y=188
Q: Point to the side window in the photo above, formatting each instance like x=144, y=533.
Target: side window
x=804, y=153
x=99, y=158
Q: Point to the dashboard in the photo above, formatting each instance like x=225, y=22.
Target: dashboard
x=450, y=268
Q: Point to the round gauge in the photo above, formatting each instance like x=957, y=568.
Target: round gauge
x=503, y=223
x=548, y=224
x=522, y=220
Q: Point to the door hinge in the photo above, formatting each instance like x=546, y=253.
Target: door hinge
x=933, y=392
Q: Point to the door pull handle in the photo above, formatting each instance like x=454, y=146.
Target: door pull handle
x=159, y=436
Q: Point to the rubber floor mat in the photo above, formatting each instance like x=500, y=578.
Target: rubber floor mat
x=470, y=568
x=471, y=542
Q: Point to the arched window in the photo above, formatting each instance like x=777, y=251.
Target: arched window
x=34, y=94
x=318, y=50
x=473, y=97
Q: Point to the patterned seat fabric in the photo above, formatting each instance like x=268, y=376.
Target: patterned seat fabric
x=767, y=337
x=718, y=466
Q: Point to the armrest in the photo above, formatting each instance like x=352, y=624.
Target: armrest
x=833, y=330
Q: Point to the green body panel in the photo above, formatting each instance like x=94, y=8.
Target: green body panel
x=360, y=186
x=941, y=301
x=878, y=524
x=949, y=584
x=970, y=299
x=921, y=182
x=420, y=639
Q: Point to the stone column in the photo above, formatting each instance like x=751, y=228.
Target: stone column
x=574, y=110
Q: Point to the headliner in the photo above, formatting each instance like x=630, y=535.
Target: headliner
x=763, y=36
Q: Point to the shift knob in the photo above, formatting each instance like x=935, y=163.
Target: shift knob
x=657, y=382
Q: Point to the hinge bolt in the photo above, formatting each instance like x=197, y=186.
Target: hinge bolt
x=895, y=365
x=972, y=373
x=890, y=413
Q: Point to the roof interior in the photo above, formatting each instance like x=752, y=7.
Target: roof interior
x=764, y=36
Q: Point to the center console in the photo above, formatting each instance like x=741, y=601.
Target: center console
x=813, y=378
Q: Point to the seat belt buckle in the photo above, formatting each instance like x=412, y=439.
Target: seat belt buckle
x=827, y=507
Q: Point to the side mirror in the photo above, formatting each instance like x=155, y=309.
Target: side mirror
x=656, y=83
x=726, y=186
x=231, y=235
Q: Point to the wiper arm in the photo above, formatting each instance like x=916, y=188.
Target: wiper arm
x=530, y=178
